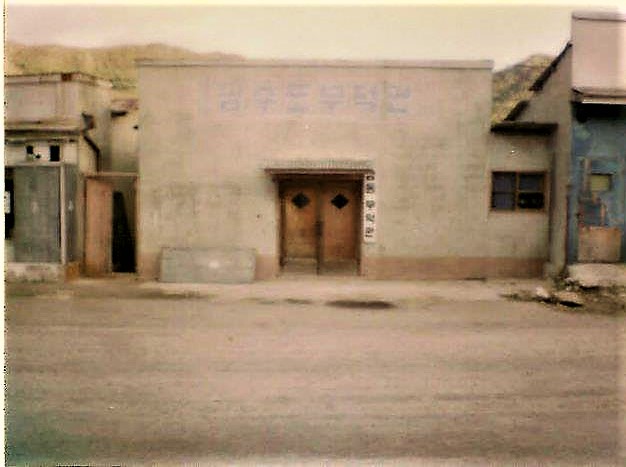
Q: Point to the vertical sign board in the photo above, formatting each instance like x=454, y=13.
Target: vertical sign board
x=369, y=208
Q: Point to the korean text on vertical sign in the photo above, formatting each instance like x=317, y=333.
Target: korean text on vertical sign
x=369, y=208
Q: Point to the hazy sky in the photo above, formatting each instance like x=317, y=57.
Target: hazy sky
x=505, y=34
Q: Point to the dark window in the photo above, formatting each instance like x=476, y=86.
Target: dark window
x=9, y=204
x=55, y=153
x=512, y=191
x=29, y=149
x=503, y=190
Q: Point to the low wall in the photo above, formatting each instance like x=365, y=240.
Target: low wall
x=205, y=265
x=35, y=272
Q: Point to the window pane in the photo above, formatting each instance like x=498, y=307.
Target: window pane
x=55, y=153
x=530, y=200
x=531, y=182
x=503, y=201
x=503, y=182
x=600, y=182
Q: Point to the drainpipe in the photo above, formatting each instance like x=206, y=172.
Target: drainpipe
x=90, y=123
x=63, y=218
x=93, y=146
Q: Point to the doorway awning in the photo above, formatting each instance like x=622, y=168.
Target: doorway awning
x=318, y=166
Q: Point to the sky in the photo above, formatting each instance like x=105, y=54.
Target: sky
x=506, y=32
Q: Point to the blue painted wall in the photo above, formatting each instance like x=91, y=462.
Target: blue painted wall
x=598, y=147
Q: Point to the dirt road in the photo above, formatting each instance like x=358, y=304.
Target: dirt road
x=144, y=380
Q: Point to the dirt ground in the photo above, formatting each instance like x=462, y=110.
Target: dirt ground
x=153, y=379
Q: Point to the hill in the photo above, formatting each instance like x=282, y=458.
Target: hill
x=116, y=64
x=511, y=84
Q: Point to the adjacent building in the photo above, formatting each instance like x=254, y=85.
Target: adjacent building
x=583, y=93
x=58, y=134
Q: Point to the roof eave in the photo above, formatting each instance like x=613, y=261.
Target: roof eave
x=524, y=128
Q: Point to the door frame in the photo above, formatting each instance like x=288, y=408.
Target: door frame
x=316, y=179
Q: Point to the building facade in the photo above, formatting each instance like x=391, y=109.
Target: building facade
x=597, y=202
x=383, y=169
x=583, y=93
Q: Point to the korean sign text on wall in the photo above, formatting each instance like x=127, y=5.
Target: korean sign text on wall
x=304, y=97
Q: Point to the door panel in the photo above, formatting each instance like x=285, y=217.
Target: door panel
x=37, y=233
x=320, y=221
x=299, y=206
x=340, y=211
x=600, y=212
x=98, y=227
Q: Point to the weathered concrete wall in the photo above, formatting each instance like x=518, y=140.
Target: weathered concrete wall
x=125, y=142
x=207, y=132
x=551, y=104
x=520, y=234
x=202, y=265
x=87, y=160
x=55, y=101
x=36, y=234
x=43, y=98
x=96, y=101
x=15, y=151
x=599, y=41
x=34, y=272
x=124, y=154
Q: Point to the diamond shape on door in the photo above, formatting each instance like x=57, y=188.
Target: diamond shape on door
x=300, y=200
x=339, y=201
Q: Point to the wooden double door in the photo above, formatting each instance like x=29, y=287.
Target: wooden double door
x=320, y=226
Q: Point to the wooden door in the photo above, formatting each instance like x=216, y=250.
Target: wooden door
x=340, y=204
x=300, y=228
x=98, y=227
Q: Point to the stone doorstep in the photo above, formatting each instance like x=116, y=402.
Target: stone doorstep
x=591, y=275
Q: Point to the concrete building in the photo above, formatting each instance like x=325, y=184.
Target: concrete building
x=583, y=93
x=385, y=169
x=57, y=151
x=597, y=200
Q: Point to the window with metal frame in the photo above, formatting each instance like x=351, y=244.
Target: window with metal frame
x=518, y=191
